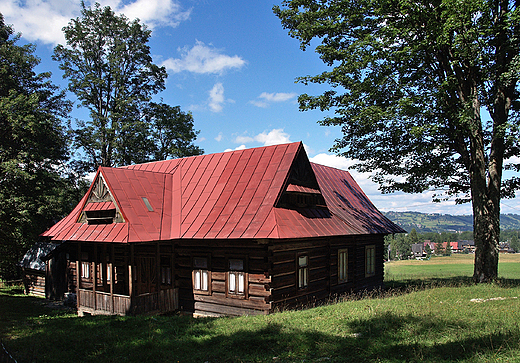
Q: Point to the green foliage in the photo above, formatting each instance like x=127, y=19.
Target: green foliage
x=399, y=245
x=33, y=152
x=407, y=70
x=409, y=81
x=439, y=249
x=447, y=250
x=171, y=131
x=108, y=63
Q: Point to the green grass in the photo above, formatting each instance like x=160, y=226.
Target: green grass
x=419, y=323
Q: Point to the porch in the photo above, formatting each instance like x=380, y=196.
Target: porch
x=103, y=303
x=125, y=279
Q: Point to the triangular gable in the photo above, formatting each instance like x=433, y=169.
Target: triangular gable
x=100, y=206
x=301, y=188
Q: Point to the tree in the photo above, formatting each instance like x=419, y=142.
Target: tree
x=514, y=242
x=413, y=236
x=110, y=70
x=33, y=151
x=172, y=132
x=410, y=82
x=428, y=250
x=439, y=249
x=447, y=250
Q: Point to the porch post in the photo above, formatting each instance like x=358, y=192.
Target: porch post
x=78, y=274
x=104, y=268
x=94, y=276
x=130, y=275
x=112, y=275
x=158, y=266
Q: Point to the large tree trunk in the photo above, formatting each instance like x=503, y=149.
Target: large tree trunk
x=486, y=232
x=485, y=176
x=486, y=182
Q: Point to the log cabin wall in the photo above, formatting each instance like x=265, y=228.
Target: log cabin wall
x=284, y=258
x=270, y=269
x=222, y=260
x=34, y=282
x=323, y=280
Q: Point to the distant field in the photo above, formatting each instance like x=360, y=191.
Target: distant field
x=456, y=265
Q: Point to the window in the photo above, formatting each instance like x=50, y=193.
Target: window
x=342, y=265
x=85, y=270
x=166, y=271
x=101, y=216
x=236, y=277
x=200, y=274
x=108, y=274
x=370, y=260
x=303, y=271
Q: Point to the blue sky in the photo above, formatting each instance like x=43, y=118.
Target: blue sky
x=234, y=67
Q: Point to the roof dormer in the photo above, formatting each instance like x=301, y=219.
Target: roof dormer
x=301, y=189
x=100, y=207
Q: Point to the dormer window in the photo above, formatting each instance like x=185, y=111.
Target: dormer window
x=301, y=200
x=100, y=216
x=100, y=213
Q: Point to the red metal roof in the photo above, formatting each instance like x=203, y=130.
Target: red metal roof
x=224, y=195
x=99, y=206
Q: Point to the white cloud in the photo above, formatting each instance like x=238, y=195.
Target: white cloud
x=273, y=137
x=265, y=99
x=244, y=139
x=216, y=98
x=155, y=12
x=219, y=137
x=42, y=20
x=203, y=59
x=241, y=147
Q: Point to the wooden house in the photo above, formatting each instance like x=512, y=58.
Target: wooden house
x=233, y=233
x=46, y=271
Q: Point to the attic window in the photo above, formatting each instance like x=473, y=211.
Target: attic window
x=301, y=200
x=106, y=216
x=147, y=204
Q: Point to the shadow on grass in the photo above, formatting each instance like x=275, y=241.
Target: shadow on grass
x=385, y=337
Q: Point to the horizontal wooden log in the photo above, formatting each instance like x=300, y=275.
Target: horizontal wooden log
x=238, y=303
x=259, y=278
x=218, y=275
x=284, y=268
x=298, y=245
x=218, y=286
x=258, y=290
x=283, y=281
x=202, y=308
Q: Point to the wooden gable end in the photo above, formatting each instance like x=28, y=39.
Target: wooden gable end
x=100, y=206
x=301, y=189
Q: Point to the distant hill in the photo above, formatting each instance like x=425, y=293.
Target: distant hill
x=434, y=222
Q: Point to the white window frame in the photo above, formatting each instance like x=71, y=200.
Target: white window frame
x=303, y=271
x=201, y=275
x=236, y=278
x=85, y=270
x=343, y=265
x=370, y=260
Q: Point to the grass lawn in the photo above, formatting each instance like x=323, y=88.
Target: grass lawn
x=455, y=321
x=457, y=266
